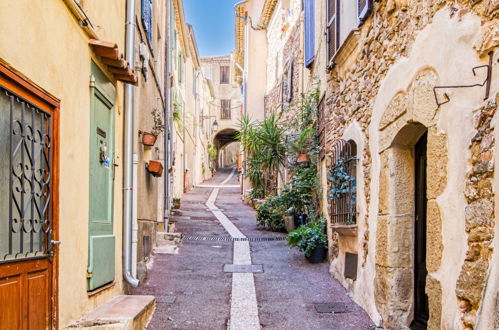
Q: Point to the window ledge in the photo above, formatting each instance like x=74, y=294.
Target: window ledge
x=345, y=230
x=346, y=49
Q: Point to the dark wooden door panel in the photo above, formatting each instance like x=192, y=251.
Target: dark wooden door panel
x=10, y=302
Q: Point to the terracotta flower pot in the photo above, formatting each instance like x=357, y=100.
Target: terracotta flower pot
x=148, y=139
x=155, y=168
x=302, y=158
x=176, y=204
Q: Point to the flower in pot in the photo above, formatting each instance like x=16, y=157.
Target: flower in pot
x=176, y=203
x=303, y=144
x=311, y=239
x=155, y=168
x=149, y=138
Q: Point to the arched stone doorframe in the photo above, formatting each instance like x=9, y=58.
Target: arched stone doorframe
x=408, y=116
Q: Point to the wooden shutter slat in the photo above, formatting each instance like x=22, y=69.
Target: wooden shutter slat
x=309, y=32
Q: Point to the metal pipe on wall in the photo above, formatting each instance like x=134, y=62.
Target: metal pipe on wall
x=166, y=84
x=128, y=157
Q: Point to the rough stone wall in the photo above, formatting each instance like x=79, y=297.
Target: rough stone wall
x=385, y=37
x=479, y=216
x=291, y=52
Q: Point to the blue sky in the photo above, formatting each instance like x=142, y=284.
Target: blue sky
x=213, y=22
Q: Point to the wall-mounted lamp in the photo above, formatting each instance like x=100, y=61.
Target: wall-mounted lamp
x=215, y=126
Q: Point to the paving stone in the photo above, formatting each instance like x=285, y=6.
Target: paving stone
x=231, y=268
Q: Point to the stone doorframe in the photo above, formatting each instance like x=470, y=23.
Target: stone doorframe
x=408, y=116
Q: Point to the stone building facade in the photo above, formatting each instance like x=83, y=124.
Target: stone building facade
x=227, y=100
x=424, y=242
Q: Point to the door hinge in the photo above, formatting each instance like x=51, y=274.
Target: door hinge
x=89, y=274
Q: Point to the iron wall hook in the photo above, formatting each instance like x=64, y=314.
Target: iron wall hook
x=486, y=83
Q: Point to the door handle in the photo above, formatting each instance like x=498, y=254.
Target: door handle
x=55, y=242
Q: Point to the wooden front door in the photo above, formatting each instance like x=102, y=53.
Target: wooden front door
x=421, y=313
x=101, y=238
x=28, y=204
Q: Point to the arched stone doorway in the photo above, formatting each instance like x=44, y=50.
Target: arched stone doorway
x=413, y=156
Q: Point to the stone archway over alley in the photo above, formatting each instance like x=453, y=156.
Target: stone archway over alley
x=214, y=282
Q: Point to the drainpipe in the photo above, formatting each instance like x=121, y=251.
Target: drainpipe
x=166, y=83
x=128, y=158
x=135, y=224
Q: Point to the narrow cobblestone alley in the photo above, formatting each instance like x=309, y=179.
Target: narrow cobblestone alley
x=194, y=292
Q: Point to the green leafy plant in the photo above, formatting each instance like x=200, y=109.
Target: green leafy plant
x=342, y=182
x=256, y=193
x=304, y=142
x=212, y=152
x=309, y=236
x=176, y=200
x=177, y=115
x=158, y=126
x=270, y=214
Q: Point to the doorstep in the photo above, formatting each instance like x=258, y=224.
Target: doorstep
x=123, y=312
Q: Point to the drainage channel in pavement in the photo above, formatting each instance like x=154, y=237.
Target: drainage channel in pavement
x=232, y=239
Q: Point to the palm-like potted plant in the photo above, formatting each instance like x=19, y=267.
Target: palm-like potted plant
x=311, y=239
x=176, y=203
x=149, y=138
x=303, y=144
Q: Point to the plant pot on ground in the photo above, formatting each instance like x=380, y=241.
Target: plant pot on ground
x=148, y=139
x=176, y=203
x=318, y=254
x=299, y=220
x=155, y=168
x=311, y=239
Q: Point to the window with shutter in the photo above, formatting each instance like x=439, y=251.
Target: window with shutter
x=332, y=28
x=147, y=20
x=224, y=74
x=364, y=8
x=309, y=32
x=225, y=109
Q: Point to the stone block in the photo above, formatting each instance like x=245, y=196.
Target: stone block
x=402, y=180
x=422, y=99
x=434, y=293
x=384, y=186
x=437, y=163
x=471, y=281
x=394, y=241
x=479, y=213
x=396, y=108
x=434, y=246
x=393, y=296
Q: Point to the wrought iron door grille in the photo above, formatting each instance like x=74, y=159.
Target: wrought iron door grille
x=343, y=183
x=25, y=159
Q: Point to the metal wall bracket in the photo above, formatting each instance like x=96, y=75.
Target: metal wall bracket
x=486, y=83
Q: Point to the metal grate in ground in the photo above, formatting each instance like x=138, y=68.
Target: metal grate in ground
x=226, y=238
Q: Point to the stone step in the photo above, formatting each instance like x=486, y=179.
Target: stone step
x=163, y=238
x=123, y=312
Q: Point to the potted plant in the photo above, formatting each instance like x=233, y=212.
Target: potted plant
x=149, y=138
x=176, y=203
x=303, y=144
x=155, y=168
x=311, y=239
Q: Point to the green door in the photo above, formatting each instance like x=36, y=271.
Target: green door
x=101, y=238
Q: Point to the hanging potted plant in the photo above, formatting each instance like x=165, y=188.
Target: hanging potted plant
x=176, y=203
x=149, y=138
x=311, y=239
x=155, y=168
x=302, y=145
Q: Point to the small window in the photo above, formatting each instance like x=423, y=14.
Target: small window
x=225, y=107
x=224, y=74
x=343, y=183
x=332, y=28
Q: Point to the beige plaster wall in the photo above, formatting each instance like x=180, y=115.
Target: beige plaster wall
x=37, y=46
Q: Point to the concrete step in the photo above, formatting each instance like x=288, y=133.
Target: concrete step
x=120, y=313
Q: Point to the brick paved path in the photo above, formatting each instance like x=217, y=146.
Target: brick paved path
x=194, y=292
